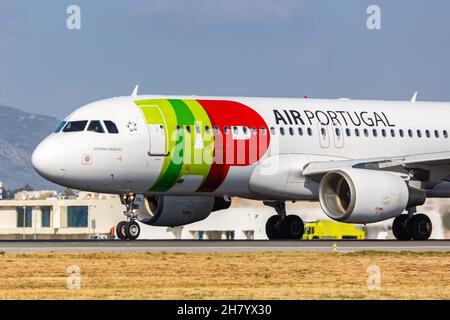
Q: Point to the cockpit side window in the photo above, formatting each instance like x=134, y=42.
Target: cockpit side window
x=111, y=126
x=95, y=126
x=61, y=125
x=75, y=126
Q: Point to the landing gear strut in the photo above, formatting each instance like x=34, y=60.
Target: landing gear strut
x=281, y=226
x=128, y=230
x=412, y=226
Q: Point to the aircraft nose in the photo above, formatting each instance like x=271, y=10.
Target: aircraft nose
x=48, y=160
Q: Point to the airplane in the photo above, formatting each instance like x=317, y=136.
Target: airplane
x=176, y=159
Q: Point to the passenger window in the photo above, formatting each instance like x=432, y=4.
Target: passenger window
x=75, y=126
x=272, y=131
x=207, y=130
x=225, y=129
x=291, y=131
x=111, y=126
x=419, y=133
x=254, y=131
x=323, y=132
x=216, y=130
x=263, y=131
x=427, y=133
x=338, y=132
x=357, y=132
x=198, y=129
x=445, y=134
x=393, y=133
x=310, y=132
x=410, y=133
x=282, y=131
x=366, y=132
x=61, y=125
x=235, y=130
x=300, y=131
x=375, y=133
x=95, y=126
x=348, y=132
x=188, y=129
x=179, y=130
x=245, y=130
x=402, y=134
x=436, y=133
x=383, y=132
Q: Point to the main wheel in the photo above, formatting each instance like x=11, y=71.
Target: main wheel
x=292, y=228
x=132, y=230
x=401, y=229
x=421, y=227
x=273, y=228
x=120, y=230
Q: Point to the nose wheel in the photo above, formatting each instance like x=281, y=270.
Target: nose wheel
x=120, y=230
x=128, y=230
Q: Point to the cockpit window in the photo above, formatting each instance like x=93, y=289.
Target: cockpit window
x=111, y=126
x=61, y=125
x=95, y=126
x=75, y=126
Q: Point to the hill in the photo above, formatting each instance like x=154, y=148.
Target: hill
x=20, y=133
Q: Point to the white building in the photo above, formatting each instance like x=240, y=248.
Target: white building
x=58, y=218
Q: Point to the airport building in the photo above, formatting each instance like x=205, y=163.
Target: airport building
x=48, y=215
x=42, y=215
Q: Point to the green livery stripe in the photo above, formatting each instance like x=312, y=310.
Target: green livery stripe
x=201, y=145
x=191, y=153
x=174, y=164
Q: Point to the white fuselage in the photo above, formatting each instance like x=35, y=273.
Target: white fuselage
x=136, y=158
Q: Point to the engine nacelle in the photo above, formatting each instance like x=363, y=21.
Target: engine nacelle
x=169, y=211
x=366, y=196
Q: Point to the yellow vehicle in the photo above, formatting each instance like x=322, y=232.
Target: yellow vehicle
x=330, y=230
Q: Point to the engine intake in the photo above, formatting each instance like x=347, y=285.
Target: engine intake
x=365, y=196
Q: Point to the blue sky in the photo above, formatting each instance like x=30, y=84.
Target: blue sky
x=322, y=49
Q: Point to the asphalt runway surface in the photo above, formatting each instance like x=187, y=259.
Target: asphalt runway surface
x=204, y=246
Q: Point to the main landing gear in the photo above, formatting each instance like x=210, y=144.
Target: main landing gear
x=281, y=226
x=412, y=226
x=128, y=230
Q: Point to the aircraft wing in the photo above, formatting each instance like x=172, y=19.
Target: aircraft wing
x=322, y=167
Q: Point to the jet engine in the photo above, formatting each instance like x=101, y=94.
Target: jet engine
x=170, y=211
x=365, y=196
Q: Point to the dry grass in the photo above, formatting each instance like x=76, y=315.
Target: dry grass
x=225, y=276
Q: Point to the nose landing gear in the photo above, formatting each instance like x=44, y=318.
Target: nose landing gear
x=128, y=230
x=281, y=226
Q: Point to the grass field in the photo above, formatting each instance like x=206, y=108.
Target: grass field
x=225, y=276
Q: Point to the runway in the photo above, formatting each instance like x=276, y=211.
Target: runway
x=182, y=246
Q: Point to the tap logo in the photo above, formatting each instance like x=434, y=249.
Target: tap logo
x=204, y=138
